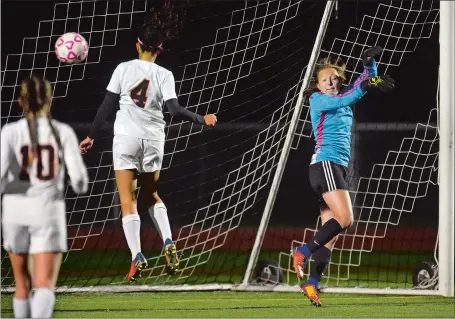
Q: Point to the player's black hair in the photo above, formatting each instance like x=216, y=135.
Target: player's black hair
x=325, y=63
x=150, y=38
x=161, y=24
x=36, y=93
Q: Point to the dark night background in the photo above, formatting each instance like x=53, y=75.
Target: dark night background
x=187, y=185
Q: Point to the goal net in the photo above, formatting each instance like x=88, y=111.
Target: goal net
x=246, y=62
x=243, y=61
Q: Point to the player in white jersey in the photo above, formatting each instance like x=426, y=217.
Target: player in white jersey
x=140, y=89
x=34, y=153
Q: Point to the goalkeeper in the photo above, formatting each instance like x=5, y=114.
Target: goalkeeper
x=331, y=117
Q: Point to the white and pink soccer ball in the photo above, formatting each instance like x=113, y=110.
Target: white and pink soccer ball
x=71, y=48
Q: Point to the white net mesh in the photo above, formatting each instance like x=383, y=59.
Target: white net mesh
x=215, y=179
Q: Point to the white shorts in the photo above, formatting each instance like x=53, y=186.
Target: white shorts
x=20, y=239
x=33, y=225
x=145, y=156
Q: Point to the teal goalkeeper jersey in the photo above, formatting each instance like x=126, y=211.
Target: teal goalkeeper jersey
x=331, y=117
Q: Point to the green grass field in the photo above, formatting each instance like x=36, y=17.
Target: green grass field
x=376, y=270
x=243, y=304
x=104, y=267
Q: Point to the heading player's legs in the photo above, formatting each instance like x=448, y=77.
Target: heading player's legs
x=150, y=200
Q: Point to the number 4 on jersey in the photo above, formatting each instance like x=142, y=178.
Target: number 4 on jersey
x=139, y=93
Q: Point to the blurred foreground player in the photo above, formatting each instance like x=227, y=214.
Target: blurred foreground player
x=34, y=153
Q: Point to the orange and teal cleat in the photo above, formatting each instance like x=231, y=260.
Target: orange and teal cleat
x=312, y=293
x=299, y=262
x=138, y=264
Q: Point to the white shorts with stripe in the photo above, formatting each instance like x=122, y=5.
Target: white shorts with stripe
x=132, y=153
x=327, y=176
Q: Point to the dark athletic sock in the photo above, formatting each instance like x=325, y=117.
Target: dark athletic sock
x=327, y=232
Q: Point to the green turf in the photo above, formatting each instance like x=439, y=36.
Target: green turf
x=242, y=304
x=105, y=267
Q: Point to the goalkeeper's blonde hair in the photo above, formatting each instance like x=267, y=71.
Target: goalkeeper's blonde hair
x=325, y=63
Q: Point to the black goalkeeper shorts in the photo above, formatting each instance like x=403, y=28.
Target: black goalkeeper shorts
x=327, y=176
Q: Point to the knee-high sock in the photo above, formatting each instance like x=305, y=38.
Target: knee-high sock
x=43, y=301
x=158, y=213
x=327, y=232
x=132, y=229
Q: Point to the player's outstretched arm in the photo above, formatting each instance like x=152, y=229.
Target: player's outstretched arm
x=369, y=66
x=77, y=170
x=181, y=113
x=109, y=106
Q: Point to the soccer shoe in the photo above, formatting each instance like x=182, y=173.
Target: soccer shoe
x=172, y=259
x=137, y=265
x=299, y=262
x=311, y=292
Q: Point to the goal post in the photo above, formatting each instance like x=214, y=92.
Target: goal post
x=446, y=148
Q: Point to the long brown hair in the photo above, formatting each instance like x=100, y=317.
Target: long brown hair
x=36, y=94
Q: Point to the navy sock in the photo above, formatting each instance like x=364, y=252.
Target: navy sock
x=305, y=251
x=327, y=232
x=321, y=259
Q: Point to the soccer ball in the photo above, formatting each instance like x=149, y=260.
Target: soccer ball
x=71, y=48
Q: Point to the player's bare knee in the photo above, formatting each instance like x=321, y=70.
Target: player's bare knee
x=347, y=222
x=156, y=198
x=43, y=282
x=344, y=219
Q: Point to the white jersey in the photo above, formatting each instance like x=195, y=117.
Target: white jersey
x=143, y=87
x=41, y=184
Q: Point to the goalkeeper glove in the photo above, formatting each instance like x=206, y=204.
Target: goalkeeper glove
x=369, y=54
x=385, y=83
